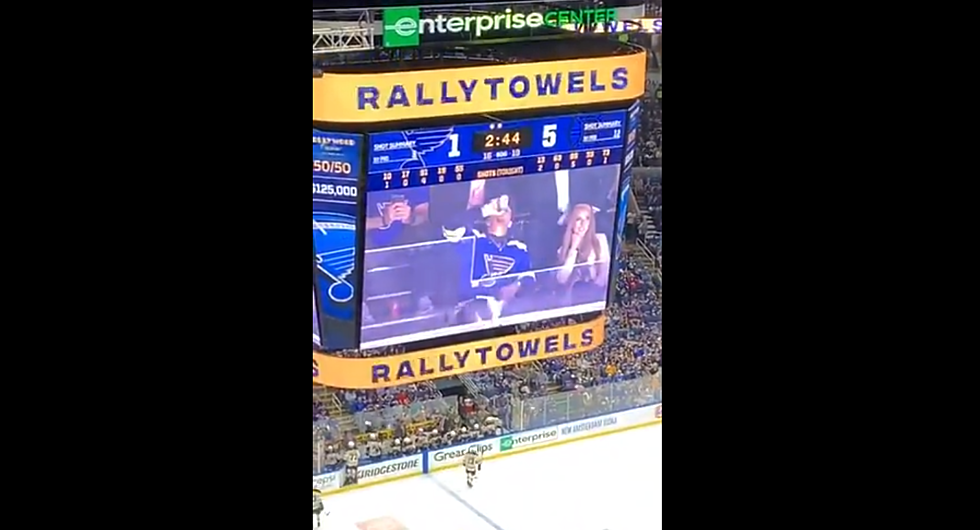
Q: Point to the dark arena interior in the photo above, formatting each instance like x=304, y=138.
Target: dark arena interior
x=487, y=273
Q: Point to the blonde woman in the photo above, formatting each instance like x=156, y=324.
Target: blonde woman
x=584, y=254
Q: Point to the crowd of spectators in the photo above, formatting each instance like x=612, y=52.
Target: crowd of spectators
x=649, y=193
x=633, y=348
x=648, y=188
x=651, y=128
x=319, y=411
x=374, y=400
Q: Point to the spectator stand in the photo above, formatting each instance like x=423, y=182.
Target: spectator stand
x=624, y=372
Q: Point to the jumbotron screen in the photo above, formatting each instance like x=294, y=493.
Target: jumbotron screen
x=476, y=226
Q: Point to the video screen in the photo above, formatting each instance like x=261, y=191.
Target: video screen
x=337, y=170
x=472, y=255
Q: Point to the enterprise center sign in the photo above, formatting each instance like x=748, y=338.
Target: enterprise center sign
x=405, y=27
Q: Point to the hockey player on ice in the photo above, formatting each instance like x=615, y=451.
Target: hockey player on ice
x=317, y=507
x=352, y=459
x=472, y=462
x=395, y=448
x=449, y=439
x=492, y=427
x=374, y=447
x=331, y=458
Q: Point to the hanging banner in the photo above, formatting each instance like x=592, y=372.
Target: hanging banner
x=396, y=96
x=382, y=372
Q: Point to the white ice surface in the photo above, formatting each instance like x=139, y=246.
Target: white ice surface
x=611, y=482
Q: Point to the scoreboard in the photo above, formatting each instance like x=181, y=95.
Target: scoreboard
x=590, y=148
x=424, y=157
x=336, y=175
x=550, y=167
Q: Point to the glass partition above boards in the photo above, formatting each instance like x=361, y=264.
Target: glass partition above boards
x=337, y=171
x=476, y=226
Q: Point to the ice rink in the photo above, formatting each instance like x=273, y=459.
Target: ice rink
x=585, y=485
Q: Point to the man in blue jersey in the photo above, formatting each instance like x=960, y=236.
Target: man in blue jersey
x=391, y=213
x=493, y=264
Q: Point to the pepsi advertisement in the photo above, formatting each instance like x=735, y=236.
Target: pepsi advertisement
x=336, y=174
x=477, y=226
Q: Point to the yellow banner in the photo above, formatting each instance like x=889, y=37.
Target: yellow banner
x=373, y=98
x=381, y=372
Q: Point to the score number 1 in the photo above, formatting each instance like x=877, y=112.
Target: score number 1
x=454, y=140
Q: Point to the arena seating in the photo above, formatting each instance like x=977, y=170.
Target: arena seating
x=633, y=350
x=652, y=129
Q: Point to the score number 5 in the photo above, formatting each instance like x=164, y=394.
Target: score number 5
x=550, y=136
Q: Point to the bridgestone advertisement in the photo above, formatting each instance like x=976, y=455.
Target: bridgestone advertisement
x=387, y=470
x=372, y=473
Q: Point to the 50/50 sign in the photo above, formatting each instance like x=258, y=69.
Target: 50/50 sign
x=332, y=167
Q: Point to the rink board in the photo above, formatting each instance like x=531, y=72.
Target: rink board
x=428, y=462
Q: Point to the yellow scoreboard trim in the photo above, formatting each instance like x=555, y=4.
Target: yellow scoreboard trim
x=373, y=98
x=382, y=372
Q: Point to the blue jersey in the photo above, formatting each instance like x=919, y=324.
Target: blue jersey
x=377, y=201
x=483, y=262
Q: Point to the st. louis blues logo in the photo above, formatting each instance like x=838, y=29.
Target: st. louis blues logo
x=334, y=239
x=424, y=141
x=496, y=266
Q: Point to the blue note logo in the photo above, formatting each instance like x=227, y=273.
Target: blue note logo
x=425, y=141
x=334, y=236
x=496, y=266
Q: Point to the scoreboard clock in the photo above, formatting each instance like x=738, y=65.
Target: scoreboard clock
x=501, y=139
